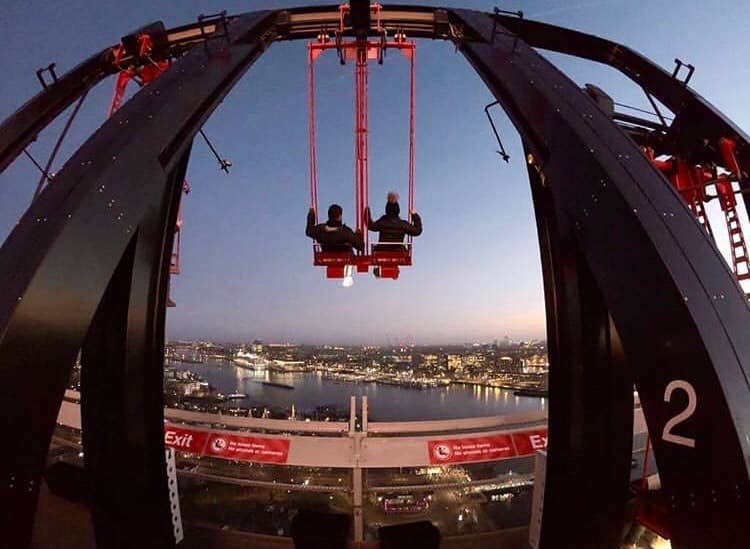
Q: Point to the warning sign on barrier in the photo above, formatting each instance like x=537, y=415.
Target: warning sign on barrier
x=528, y=442
x=185, y=440
x=489, y=448
x=458, y=450
x=270, y=450
x=227, y=446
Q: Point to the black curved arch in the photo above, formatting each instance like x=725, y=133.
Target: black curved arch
x=651, y=301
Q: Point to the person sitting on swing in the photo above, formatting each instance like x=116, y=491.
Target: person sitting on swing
x=391, y=227
x=333, y=235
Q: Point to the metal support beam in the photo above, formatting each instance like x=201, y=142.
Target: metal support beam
x=116, y=192
x=359, y=12
x=632, y=251
x=121, y=384
x=591, y=409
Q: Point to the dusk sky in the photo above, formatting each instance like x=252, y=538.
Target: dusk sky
x=246, y=264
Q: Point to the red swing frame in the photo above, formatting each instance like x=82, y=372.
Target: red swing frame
x=387, y=261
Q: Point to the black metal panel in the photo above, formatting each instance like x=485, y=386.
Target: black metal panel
x=591, y=388
x=58, y=262
x=359, y=13
x=696, y=119
x=122, y=373
x=675, y=304
x=22, y=127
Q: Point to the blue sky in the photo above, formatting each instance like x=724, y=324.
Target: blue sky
x=246, y=263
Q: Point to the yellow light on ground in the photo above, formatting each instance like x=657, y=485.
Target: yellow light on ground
x=661, y=543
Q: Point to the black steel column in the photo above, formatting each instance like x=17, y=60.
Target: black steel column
x=591, y=388
x=112, y=200
x=638, y=254
x=121, y=387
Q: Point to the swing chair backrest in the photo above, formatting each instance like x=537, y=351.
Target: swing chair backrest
x=391, y=253
x=326, y=259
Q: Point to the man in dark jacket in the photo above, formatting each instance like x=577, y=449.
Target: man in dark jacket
x=391, y=227
x=333, y=235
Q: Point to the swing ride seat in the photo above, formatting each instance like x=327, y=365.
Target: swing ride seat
x=334, y=262
x=387, y=257
x=391, y=254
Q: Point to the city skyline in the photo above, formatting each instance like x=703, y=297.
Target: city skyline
x=253, y=340
x=246, y=264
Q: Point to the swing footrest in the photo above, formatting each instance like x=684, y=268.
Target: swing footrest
x=335, y=271
x=387, y=271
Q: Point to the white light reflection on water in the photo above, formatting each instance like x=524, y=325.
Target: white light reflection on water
x=386, y=402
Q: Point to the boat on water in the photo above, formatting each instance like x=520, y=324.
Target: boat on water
x=235, y=396
x=187, y=360
x=529, y=392
x=249, y=361
x=275, y=384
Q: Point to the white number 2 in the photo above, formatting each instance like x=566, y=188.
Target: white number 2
x=682, y=416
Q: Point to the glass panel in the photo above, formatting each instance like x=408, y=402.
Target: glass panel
x=258, y=509
x=459, y=500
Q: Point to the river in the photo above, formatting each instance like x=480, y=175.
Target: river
x=386, y=402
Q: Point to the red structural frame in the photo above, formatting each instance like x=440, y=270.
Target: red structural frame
x=691, y=181
x=144, y=75
x=361, y=51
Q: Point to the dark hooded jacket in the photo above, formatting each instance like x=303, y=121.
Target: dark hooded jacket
x=333, y=235
x=391, y=227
